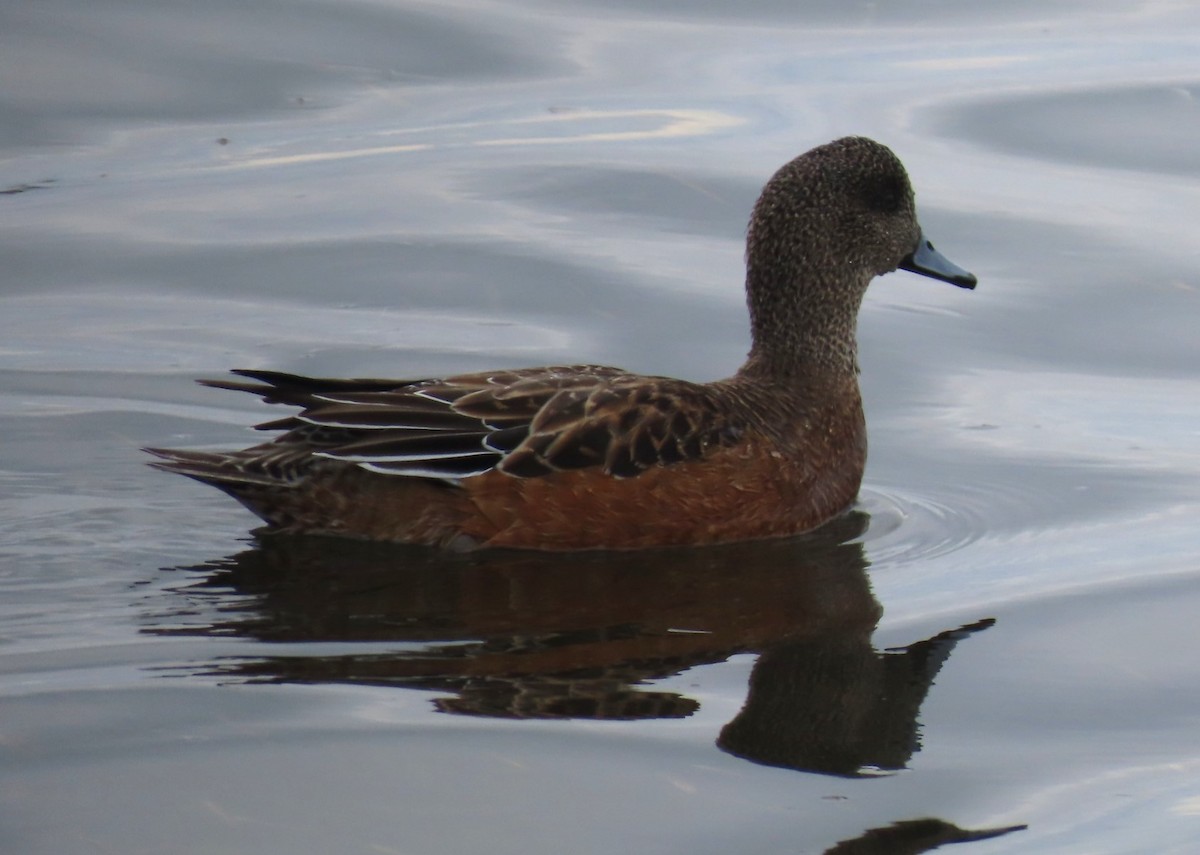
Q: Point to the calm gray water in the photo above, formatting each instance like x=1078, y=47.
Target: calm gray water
x=1005, y=635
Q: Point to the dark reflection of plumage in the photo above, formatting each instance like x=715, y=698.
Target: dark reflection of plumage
x=913, y=836
x=528, y=635
x=837, y=705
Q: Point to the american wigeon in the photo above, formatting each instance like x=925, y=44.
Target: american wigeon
x=588, y=456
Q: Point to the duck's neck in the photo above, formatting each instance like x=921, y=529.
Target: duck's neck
x=802, y=331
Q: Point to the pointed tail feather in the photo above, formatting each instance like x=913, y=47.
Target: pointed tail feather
x=278, y=387
x=220, y=470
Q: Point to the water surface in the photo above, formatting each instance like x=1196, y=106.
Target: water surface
x=1001, y=636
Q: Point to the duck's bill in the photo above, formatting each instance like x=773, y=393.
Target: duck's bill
x=929, y=262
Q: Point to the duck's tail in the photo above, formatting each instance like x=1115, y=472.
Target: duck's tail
x=224, y=471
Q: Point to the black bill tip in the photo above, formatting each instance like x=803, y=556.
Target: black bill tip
x=929, y=262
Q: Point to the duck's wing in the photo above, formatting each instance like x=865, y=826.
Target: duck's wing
x=526, y=423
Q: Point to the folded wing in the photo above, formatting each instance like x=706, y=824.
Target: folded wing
x=526, y=423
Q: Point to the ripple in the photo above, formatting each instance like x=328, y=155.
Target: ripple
x=909, y=525
x=1076, y=125
x=175, y=331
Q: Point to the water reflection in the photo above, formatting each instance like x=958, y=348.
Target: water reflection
x=525, y=635
x=914, y=836
x=834, y=704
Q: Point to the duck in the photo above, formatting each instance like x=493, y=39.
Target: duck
x=592, y=457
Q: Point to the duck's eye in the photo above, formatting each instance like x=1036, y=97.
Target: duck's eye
x=885, y=194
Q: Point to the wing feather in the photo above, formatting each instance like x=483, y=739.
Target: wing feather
x=526, y=423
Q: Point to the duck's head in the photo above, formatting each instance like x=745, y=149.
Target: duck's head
x=826, y=224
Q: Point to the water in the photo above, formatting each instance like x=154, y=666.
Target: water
x=1003, y=636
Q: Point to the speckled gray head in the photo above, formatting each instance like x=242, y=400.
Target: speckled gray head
x=846, y=204
x=826, y=224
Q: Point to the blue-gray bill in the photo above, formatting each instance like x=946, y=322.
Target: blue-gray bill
x=929, y=262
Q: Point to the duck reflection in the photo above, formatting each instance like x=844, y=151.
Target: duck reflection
x=534, y=635
x=913, y=836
